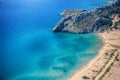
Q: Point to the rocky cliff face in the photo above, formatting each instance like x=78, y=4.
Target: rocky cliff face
x=82, y=21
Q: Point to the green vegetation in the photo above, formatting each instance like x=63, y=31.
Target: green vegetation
x=76, y=24
x=85, y=23
x=105, y=14
x=117, y=23
x=109, y=11
x=112, y=54
x=118, y=15
x=116, y=58
x=97, y=20
x=114, y=10
x=108, y=69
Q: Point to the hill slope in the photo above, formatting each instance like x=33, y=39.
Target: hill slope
x=98, y=20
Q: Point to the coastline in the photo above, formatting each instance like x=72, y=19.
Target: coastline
x=97, y=20
x=99, y=61
x=105, y=21
x=77, y=75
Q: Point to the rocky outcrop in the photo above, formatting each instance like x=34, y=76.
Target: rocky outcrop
x=82, y=21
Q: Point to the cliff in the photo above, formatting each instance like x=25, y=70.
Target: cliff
x=97, y=20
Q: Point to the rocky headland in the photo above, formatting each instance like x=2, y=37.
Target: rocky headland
x=105, y=21
x=97, y=20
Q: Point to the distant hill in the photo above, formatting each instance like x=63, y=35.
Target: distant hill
x=97, y=20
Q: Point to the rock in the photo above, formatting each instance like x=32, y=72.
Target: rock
x=82, y=21
x=71, y=12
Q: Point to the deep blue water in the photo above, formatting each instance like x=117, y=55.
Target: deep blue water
x=31, y=51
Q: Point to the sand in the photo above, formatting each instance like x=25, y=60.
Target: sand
x=102, y=61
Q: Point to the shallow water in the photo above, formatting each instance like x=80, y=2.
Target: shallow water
x=31, y=51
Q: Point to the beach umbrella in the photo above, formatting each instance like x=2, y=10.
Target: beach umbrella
x=84, y=77
x=106, y=53
x=94, y=70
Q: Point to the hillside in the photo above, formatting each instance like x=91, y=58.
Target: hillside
x=97, y=20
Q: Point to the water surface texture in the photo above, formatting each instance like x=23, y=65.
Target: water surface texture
x=31, y=51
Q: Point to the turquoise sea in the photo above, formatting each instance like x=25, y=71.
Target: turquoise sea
x=31, y=51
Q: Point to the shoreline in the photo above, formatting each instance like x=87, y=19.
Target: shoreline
x=87, y=66
x=99, y=61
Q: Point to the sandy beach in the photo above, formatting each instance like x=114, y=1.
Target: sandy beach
x=96, y=68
